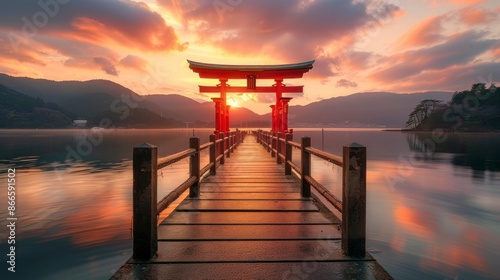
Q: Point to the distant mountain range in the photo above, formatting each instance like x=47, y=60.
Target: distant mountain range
x=99, y=100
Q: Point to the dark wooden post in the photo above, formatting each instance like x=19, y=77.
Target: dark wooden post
x=306, y=166
x=234, y=142
x=288, y=154
x=354, y=200
x=273, y=144
x=213, y=155
x=229, y=143
x=258, y=136
x=222, y=148
x=145, y=159
x=194, y=166
x=278, y=149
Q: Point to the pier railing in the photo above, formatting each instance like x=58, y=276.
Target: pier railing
x=353, y=162
x=145, y=168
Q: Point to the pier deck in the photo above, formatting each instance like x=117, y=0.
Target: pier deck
x=250, y=222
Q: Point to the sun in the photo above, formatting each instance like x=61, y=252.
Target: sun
x=233, y=103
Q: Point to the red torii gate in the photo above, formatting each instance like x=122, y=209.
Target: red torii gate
x=251, y=73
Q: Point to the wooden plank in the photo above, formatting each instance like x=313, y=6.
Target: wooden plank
x=240, y=195
x=247, y=218
x=247, y=205
x=276, y=180
x=258, y=250
x=247, y=232
x=306, y=269
x=248, y=190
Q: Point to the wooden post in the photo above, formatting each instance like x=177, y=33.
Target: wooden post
x=233, y=141
x=194, y=166
x=354, y=200
x=229, y=144
x=273, y=144
x=145, y=159
x=213, y=156
x=221, y=148
x=288, y=154
x=278, y=149
x=268, y=141
x=306, y=167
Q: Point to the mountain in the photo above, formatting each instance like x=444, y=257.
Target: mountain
x=86, y=99
x=19, y=110
x=98, y=101
x=188, y=110
x=369, y=109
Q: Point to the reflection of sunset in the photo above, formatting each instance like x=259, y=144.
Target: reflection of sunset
x=456, y=251
x=417, y=223
x=98, y=213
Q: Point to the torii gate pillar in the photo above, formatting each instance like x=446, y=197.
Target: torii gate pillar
x=284, y=116
x=218, y=115
x=273, y=118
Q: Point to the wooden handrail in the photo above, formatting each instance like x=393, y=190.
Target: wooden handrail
x=326, y=156
x=171, y=159
x=353, y=203
x=145, y=169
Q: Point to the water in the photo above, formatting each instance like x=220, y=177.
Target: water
x=433, y=206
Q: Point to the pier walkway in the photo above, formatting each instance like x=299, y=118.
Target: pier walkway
x=251, y=222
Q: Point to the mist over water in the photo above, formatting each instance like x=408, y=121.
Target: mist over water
x=432, y=213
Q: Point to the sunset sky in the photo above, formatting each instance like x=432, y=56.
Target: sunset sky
x=392, y=45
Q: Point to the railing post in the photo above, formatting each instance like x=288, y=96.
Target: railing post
x=273, y=144
x=221, y=148
x=233, y=141
x=306, y=167
x=354, y=200
x=288, y=154
x=258, y=136
x=268, y=142
x=145, y=160
x=213, y=156
x=229, y=139
x=278, y=149
x=194, y=166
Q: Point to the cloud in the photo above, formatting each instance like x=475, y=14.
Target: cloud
x=346, y=83
x=134, y=62
x=287, y=30
x=85, y=32
x=106, y=65
x=121, y=21
x=426, y=32
x=459, y=49
x=436, y=3
x=477, y=16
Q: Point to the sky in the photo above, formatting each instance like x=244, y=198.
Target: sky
x=402, y=46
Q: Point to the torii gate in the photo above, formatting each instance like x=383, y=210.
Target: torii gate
x=251, y=73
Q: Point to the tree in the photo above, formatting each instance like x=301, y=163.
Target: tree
x=422, y=112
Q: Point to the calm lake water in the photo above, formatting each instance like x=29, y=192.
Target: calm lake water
x=433, y=202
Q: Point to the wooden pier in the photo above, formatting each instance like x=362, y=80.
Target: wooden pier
x=247, y=219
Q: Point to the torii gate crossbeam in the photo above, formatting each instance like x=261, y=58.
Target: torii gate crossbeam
x=251, y=73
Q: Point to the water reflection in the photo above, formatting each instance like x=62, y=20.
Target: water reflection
x=75, y=215
x=434, y=215
x=478, y=151
x=431, y=214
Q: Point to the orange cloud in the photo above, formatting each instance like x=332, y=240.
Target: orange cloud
x=134, y=62
x=476, y=16
x=426, y=32
x=88, y=33
x=454, y=2
x=264, y=28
